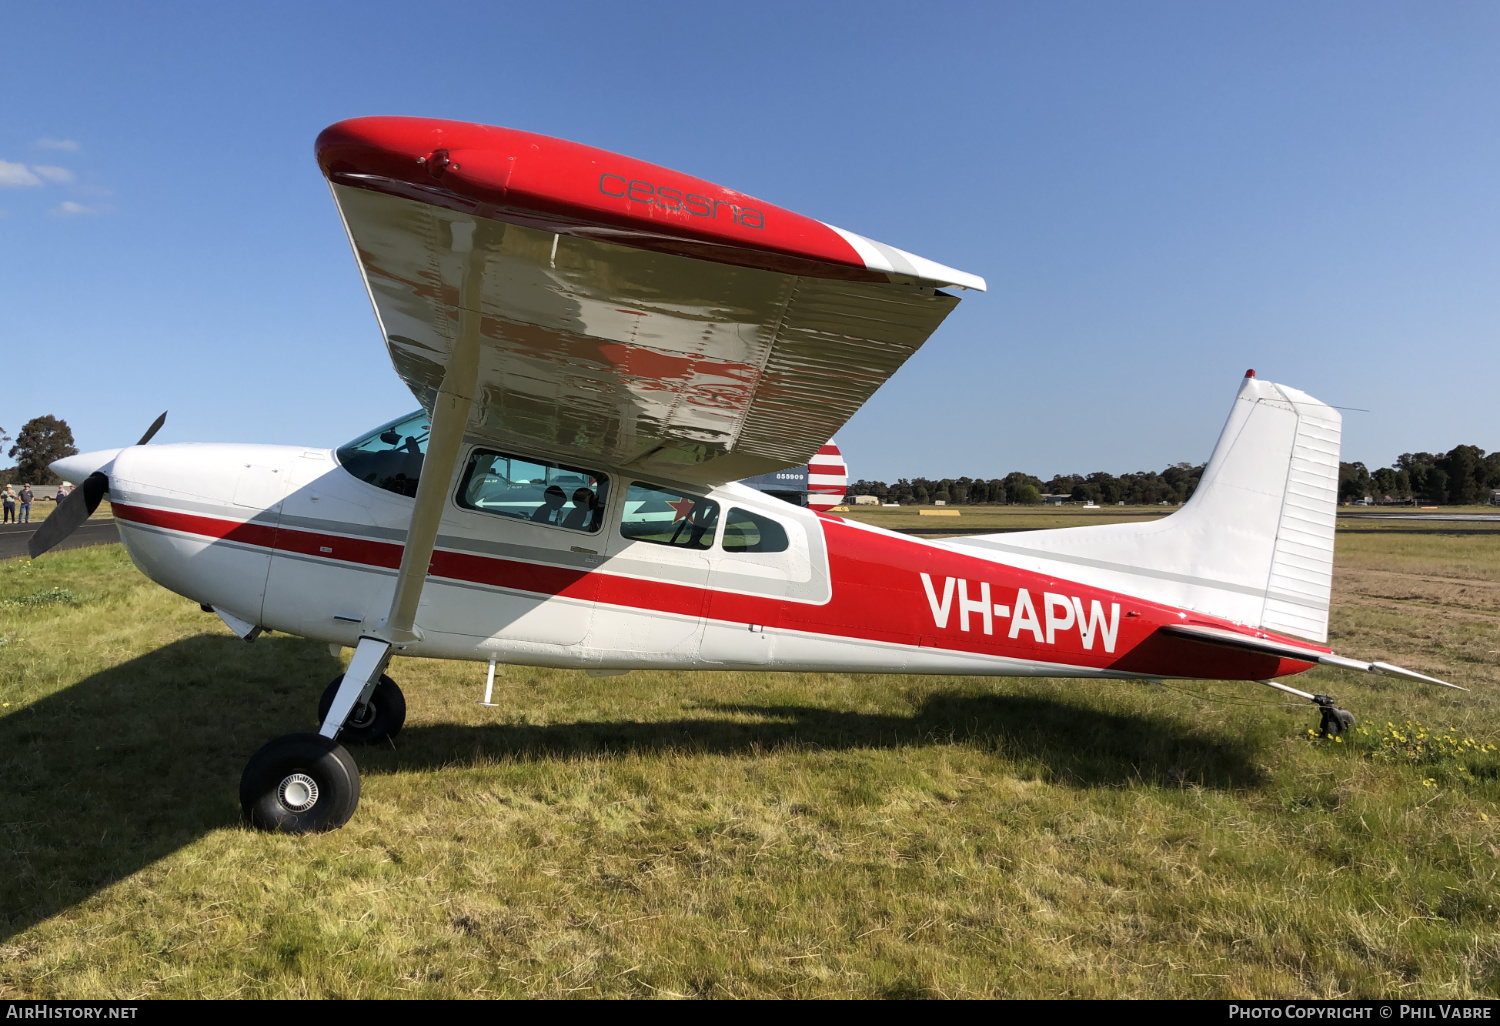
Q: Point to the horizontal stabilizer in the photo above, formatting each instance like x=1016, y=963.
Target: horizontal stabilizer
x=1290, y=650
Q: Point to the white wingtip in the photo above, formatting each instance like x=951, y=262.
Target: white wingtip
x=880, y=257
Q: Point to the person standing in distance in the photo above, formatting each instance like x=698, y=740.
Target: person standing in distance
x=26, y=496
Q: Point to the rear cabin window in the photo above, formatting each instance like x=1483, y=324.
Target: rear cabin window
x=750, y=532
x=528, y=489
x=390, y=457
x=662, y=516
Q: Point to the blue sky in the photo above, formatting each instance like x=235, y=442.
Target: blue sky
x=1160, y=194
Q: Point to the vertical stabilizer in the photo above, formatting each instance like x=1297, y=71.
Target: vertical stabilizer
x=1255, y=542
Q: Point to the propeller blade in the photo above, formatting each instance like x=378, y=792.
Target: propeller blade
x=74, y=510
x=153, y=429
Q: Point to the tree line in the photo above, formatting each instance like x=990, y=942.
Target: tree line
x=1143, y=488
x=1462, y=476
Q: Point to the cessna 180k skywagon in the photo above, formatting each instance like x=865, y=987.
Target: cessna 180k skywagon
x=601, y=349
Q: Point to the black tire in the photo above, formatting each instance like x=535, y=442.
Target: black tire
x=300, y=784
x=380, y=718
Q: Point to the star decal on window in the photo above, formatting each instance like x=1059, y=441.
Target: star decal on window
x=683, y=507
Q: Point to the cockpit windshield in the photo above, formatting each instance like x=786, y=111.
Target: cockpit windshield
x=390, y=457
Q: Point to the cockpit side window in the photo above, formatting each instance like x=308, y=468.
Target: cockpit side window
x=390, y=457
x=524, y=488
x=663, y=516
x=751, y=532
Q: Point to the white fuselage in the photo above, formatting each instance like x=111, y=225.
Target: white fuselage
x=287, y=539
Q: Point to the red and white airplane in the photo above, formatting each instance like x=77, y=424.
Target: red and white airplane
x=601, y=349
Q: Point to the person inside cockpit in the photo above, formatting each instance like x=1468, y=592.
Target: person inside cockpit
x=581, y=516
x=550, y=511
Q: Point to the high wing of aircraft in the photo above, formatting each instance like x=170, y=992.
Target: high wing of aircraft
x=610, y=309
x=602, y=349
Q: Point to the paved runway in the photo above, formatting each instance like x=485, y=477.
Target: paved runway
x=101, y=531
x=1471, y=518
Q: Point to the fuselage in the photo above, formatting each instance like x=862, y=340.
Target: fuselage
x=290, y=539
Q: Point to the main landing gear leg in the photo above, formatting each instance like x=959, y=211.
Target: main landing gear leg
x=1333, y=719
x=301, y=783
x=358, y=684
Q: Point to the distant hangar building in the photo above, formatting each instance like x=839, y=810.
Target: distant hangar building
x=819, y=485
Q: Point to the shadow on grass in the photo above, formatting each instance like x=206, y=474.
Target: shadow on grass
x=104, y=778
x=1067, y=743
x=110, y=775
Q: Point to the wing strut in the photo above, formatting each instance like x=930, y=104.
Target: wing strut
x=450, y=416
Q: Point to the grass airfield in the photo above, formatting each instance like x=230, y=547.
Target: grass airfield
x=723, y=834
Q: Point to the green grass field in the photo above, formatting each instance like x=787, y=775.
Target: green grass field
x=707, y=834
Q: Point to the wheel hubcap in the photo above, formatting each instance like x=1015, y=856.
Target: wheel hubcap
x=362, y=716
x=298, y=792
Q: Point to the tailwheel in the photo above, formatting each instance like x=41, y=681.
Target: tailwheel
x=378, y=719
x=299, y=784
x=1333, y=720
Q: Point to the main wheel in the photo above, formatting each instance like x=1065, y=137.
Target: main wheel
x=379, y=718
x=299, y=784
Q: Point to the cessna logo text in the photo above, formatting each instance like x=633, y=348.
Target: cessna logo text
x=1059, y=613
x=669, y=198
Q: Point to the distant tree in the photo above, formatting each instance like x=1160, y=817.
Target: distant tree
x=1354, y=482
x=1465, y=467
x=1418, y=467
x=1062, y=484
x=1390, y=482
x=979, y=491
x=1107, y=485
x=1182, y=480
x=1436, y=491
x=1015, y=481
x=919, y=494
x=1029, y=495
x=997, y=491
x=1492, y=470
x=42, y=441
